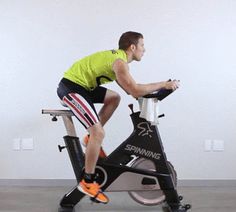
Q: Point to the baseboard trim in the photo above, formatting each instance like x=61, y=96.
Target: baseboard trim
x=38, y=182
x=72, y=182
x=205, y=183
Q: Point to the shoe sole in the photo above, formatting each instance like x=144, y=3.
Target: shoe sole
x=83, y=191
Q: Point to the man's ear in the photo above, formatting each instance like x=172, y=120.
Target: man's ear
x=132, y=47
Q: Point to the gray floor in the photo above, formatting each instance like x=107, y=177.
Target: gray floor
x=41, y=199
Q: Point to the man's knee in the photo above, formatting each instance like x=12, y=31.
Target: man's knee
x=117, y=98
x=97, y=132
x=113, y=98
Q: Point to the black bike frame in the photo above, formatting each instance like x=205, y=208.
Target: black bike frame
x=144, y=142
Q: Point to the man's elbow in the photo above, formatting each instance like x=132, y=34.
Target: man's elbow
x=134, y=93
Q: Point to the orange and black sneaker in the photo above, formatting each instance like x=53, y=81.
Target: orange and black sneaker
x=102, y=154
x=93, y=190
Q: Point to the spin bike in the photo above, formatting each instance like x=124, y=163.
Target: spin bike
x=138, y=165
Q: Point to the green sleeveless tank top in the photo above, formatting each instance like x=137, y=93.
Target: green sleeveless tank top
x=95, y=69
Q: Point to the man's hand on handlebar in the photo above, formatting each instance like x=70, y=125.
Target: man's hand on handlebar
x=172, y=85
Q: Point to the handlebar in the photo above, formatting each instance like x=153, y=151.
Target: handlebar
x=160, y=95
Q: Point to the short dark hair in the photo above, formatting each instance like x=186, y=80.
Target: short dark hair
x=129, y=38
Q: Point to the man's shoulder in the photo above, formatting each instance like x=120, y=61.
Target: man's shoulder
x=112, y=53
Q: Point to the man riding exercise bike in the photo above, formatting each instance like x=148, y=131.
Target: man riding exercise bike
x=80, y=88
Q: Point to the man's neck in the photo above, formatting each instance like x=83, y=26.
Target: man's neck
x=129, y=56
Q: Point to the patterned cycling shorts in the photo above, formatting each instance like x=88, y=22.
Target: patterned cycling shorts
x=81, y=101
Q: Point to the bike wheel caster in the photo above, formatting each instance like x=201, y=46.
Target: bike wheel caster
x=182, y=208
x=181, y=198
x=187, y=207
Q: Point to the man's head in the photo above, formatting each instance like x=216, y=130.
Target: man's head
x=132, y=43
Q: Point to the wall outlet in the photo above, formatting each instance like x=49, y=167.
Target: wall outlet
x=218, y=146
x=208, y=145
x=27, y=143
x=16, y=144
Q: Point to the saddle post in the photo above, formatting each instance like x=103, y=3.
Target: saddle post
x=70, y=127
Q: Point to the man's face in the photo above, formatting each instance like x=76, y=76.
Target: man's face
x=138, y=50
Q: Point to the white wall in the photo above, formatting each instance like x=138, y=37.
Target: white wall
x=193, y=41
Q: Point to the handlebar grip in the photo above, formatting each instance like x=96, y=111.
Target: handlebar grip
x=160, y=95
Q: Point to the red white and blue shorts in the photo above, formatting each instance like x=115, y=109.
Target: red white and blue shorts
x=81, y=101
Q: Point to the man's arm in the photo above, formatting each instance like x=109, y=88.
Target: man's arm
x=125, y=80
